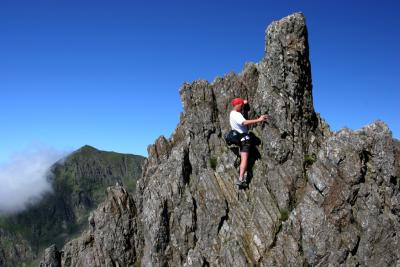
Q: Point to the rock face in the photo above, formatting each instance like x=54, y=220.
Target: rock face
x=189, y=205
x=112, y=239
x=315, y=198
x=52, y=257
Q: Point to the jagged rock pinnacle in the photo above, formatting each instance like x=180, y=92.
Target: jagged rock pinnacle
x=315, y=197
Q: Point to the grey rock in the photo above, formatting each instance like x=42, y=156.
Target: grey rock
x=52, y=257
x=315, y=197
x=112, y=236
x=194, y=215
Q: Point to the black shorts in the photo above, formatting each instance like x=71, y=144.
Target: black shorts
x=245, y=143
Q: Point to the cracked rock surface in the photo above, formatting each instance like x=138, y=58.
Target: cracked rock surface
x=315, y=197
x=112, y=238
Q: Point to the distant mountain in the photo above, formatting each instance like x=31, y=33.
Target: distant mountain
x=79, y=183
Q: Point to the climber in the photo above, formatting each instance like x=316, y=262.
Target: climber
x=239, y=123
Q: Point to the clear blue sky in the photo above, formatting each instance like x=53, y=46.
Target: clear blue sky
x=107, y=73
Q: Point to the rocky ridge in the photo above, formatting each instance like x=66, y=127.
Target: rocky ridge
x=315, y=198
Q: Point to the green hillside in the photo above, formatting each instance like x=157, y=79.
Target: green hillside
x=79, y=184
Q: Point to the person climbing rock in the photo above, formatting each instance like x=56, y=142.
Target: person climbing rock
x=239, y=124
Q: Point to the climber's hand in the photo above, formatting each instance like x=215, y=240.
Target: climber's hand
x=245, y=102
x=262, y=118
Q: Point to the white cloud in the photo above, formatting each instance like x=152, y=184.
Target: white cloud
x=24, y=178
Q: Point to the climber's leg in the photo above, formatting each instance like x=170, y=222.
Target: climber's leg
x=244, y=157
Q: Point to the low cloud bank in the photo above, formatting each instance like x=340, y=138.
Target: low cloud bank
x=24, y=178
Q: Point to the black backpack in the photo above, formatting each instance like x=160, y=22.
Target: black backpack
x=233, y=137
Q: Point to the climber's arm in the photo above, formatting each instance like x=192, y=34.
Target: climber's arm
x=250, y=122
